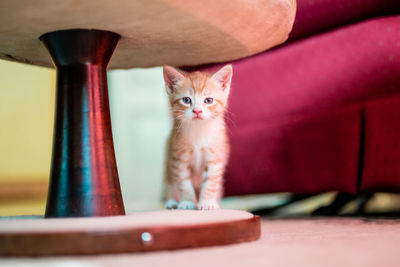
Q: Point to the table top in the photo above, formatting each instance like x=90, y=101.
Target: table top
x=138, y=232
x=161, y=218
x=154, y=32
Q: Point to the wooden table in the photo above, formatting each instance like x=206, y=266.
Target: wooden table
x=81, y=37
x=138, y=232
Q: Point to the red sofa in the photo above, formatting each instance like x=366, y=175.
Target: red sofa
x=321, y=112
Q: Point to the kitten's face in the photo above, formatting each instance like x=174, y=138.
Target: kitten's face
x=197, y=96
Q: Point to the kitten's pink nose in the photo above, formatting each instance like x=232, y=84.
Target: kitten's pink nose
x=197, y=111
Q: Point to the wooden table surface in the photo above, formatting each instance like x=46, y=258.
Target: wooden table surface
x=154, y=32
x=137, y=232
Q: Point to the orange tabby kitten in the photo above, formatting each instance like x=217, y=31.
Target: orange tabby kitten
x=198, y=145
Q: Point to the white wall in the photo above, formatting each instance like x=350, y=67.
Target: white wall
x=140, y=121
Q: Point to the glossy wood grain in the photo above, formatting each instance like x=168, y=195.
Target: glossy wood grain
x=84, y=177
x=128, y=239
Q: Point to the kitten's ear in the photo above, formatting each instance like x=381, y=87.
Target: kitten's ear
x=224, y=77
x=171, y=77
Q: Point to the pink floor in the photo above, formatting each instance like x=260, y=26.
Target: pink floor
x=291, y=242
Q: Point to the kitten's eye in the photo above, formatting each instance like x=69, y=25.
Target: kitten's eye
x=186, y=100
x=208, y=100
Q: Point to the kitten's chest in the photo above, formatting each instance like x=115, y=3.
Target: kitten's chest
x=201, y=140
x=198, y=158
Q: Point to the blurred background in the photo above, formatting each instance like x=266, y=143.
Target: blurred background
x=140, y=120
x=141, y=123
x=26, y=126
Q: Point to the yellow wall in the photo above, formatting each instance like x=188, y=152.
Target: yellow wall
x=26, y=120
x=26, y=129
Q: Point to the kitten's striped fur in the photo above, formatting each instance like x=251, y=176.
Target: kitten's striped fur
x=198, y=146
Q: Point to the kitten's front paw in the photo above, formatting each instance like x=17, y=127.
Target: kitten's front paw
x=171, y=204
x=186, y=205
x=208, y=205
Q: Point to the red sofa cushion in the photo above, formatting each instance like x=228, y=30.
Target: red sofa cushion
x=316, y=16
x=381, y=161
x=304, y=153
x=295, y=111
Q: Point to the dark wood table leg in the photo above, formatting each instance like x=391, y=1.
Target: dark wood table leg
x=84, y=177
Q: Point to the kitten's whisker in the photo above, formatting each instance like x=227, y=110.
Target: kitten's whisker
x=229, y=130
x=229, y=113
x=227, y=117
x=179, y=124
